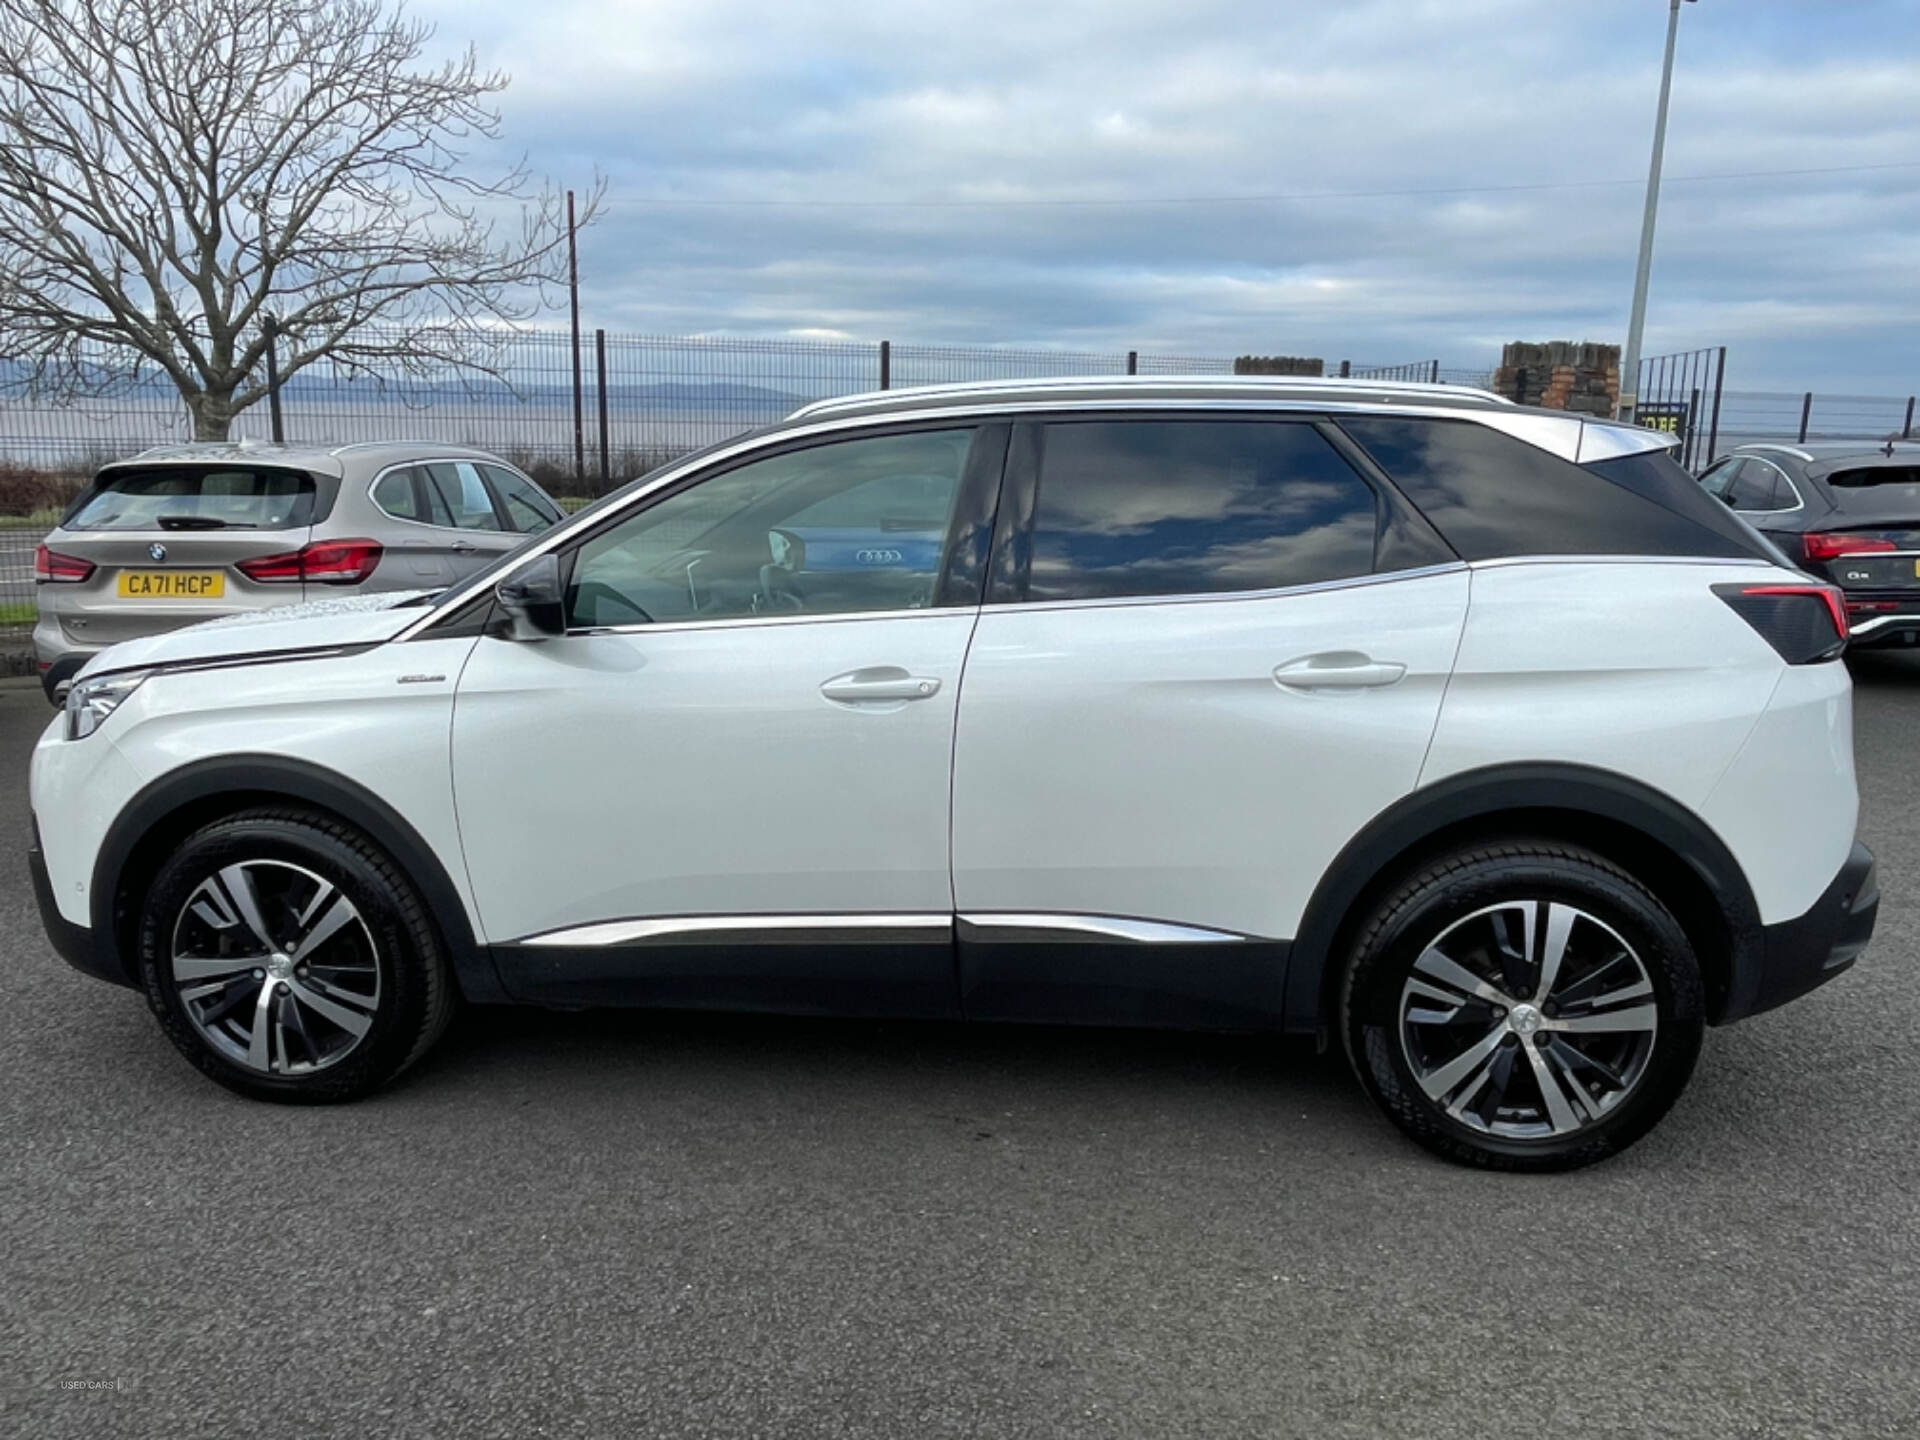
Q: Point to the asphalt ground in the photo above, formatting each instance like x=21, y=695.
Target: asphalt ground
x=633, y=1224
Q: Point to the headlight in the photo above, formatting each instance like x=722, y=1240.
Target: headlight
x=90, y=702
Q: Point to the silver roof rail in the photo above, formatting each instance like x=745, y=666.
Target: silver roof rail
x=1240, y=386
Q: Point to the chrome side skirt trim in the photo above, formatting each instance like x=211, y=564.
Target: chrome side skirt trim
x=752, y=929
x=874, y=929
x=1038, y=926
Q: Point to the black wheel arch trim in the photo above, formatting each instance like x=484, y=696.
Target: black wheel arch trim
x=1486, y=794
x=270, y=779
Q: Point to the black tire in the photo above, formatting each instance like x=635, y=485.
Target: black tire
x=416, y=992
x=1459, y=888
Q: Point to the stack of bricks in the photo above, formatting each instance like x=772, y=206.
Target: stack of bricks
x=1561, y=376
x=1278, y=365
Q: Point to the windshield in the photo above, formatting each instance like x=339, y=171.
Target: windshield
x=194, y=497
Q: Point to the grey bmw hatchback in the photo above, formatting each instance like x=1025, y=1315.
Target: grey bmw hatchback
x=187, y=533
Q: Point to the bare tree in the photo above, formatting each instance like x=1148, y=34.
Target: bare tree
x=175, y=172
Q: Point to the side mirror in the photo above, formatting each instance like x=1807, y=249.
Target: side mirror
x=532, y=598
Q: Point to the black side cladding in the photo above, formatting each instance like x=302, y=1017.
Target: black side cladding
x=1491, y=496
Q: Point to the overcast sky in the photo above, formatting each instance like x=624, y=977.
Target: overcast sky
x=1168, y=114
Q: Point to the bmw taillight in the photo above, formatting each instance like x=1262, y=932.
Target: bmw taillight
x=325, y=562
x=1831, y=545
x=50, y=566
x=1804, y=623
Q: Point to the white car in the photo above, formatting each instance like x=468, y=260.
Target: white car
x=1477, y=739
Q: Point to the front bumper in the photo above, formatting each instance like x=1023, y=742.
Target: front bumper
x=1802, y=954
x=75, y=944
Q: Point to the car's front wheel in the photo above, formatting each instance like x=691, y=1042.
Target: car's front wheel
x=1523, y=1005
x=290, y=959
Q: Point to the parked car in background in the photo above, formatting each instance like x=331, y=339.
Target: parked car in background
x=191, y=532
x=1474, y=739
x=1847, y=511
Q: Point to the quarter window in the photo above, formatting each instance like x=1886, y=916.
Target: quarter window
x=399, y=496
x=1174, y=507
x=860, y=525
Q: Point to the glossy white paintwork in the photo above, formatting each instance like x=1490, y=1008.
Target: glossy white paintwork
x=698, y=770
x=1787, y=805
x=350, y=714
x=1140, y=758
x=1166, y=761
x=347, y=619
x=1633, y=667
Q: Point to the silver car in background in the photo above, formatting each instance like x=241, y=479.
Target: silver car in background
x=190, y=532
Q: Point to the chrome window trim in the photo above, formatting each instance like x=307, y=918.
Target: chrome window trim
x=663, y=929
x=829, y=429
x=1737, y=562
x=1058, y=925
x=736, y=622
x=477, y=463
x=1745, y=452
x=1197, y=597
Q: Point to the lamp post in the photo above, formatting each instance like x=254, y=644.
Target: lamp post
x=1630, y=360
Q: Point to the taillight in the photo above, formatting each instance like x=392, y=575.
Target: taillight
x=51, y=565
x=1831, y=545
x=1804, y=623
x=325, y=562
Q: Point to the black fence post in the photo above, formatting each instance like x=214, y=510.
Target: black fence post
x=886, y=364
x=1906, y=430
x=573, y=299
x=600, y=380
x=1133, y=362
x=1806, y=414
x=1346, y=369
x=1713, y=429
x=270, y=327
x=1435, y=376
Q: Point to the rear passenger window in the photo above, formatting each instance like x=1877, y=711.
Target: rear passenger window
x=528, y=511
x=1491, y=495
x=1173, y=507
x=1756, y=486
x=464, y=494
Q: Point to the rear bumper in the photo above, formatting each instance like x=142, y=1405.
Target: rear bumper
x=73, y=943
x=1876, y=630
x=1802, y=954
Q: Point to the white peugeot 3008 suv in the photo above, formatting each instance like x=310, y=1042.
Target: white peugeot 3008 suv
x=1478, y=738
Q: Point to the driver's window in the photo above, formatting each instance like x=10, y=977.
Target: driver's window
x=852, y=526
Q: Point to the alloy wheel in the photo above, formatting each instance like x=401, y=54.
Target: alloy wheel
x=1531, y=1019
x=275, y=967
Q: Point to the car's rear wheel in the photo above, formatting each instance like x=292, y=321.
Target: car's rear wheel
x=290, y=959
x=1525, y=1006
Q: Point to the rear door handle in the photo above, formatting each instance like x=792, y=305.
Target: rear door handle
x=1337, y=670
x=879, y=683
x=464, y=547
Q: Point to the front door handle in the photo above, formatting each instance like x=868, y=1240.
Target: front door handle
x=886, y=683
x=1337, y=670
x=464, y=547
